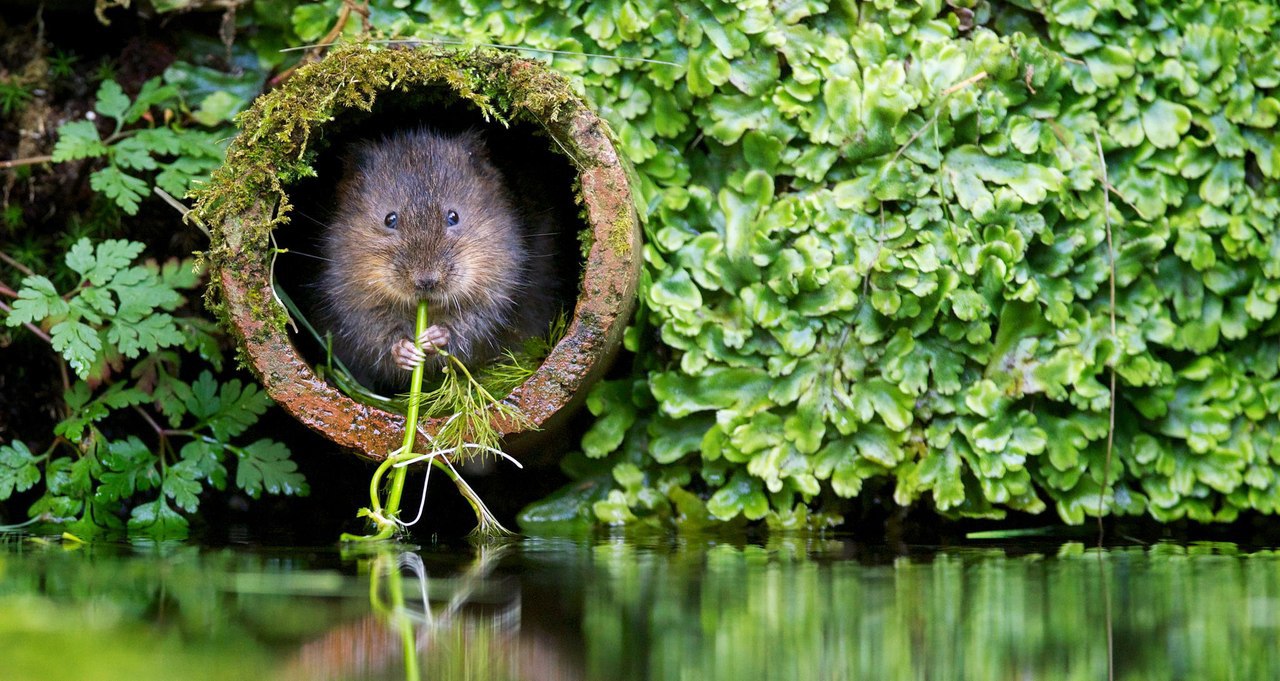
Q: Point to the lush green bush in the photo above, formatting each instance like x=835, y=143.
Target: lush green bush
x=880, y=250
x=880, y=254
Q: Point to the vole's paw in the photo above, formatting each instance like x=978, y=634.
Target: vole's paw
x=435, y=338
x=406, y=355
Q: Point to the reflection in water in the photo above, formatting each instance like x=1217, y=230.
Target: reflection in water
x=753, y=613
x=554, y=609
x=465, y=627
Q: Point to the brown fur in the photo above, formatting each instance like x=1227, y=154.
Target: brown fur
x=495, y=284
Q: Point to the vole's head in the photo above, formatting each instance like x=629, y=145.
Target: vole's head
x=425, y=215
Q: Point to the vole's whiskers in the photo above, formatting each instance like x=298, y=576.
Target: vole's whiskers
x=318, y=222
x=540, y=213
x=307, y=255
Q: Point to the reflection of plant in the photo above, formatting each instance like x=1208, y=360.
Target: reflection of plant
x=179, y=154
x=406, y=608
x=792, y=615
x=118, y=321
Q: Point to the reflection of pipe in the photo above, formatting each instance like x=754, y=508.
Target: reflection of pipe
x=241, y=199
x=358, y=649
x=443, y=636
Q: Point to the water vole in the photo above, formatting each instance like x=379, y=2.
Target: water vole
x=428, y=215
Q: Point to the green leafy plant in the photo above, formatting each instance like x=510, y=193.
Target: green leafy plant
x=470, y=409
x=62, y=64
x=13, y=96
x=878, y=257
x=119, y=332
x=118, y=309
x=180, y=155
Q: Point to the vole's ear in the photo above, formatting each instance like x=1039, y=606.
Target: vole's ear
x=356, y=155
x=474, y=139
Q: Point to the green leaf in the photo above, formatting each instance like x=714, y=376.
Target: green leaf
x=202, y=400
x=133, y=153
x=943, y=471
x=1109, y=65
x=155, y=519
x=265, y=465
x=129, y=467
x=676, y=291
x=79, y=344
x=216, y=108
x=19, y=471
x=1165, y=123
x=112, y=101
x=181, y=483
x=80, y=258
x=205, y=459
x=238, y=409
x=37, y=300
x=745, y=390
x=1031, y=182
x=613, y=509
x=742, y=495
x=141, y=292
x=145, y=335
x=610, y=402
x=893, y=406
x=177, y=177
x=112, y=255
x=76, y=140
x=153, y=93
x=99, y=300
x=1223, y=183
x=125, y=190
x=164, y=141
x=311, y=21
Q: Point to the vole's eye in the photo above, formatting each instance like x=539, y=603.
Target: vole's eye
x=391, y=220
x=451, y=218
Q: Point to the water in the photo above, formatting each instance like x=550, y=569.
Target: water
x=612, y=609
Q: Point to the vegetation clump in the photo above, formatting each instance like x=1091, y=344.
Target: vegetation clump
x=120, y=312
x=977, y=256
x=879, y=264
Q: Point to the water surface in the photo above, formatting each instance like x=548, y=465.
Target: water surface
x=791, y=608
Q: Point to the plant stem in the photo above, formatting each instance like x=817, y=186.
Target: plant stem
x=1111, y=418
x=12, y=262
x=14, y=163
x=384, y=517
x=161, y=433
x=411, y=415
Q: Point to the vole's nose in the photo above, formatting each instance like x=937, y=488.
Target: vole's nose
x=427, y=283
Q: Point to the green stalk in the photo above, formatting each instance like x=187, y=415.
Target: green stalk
x=384, y=519
x=411, y=416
